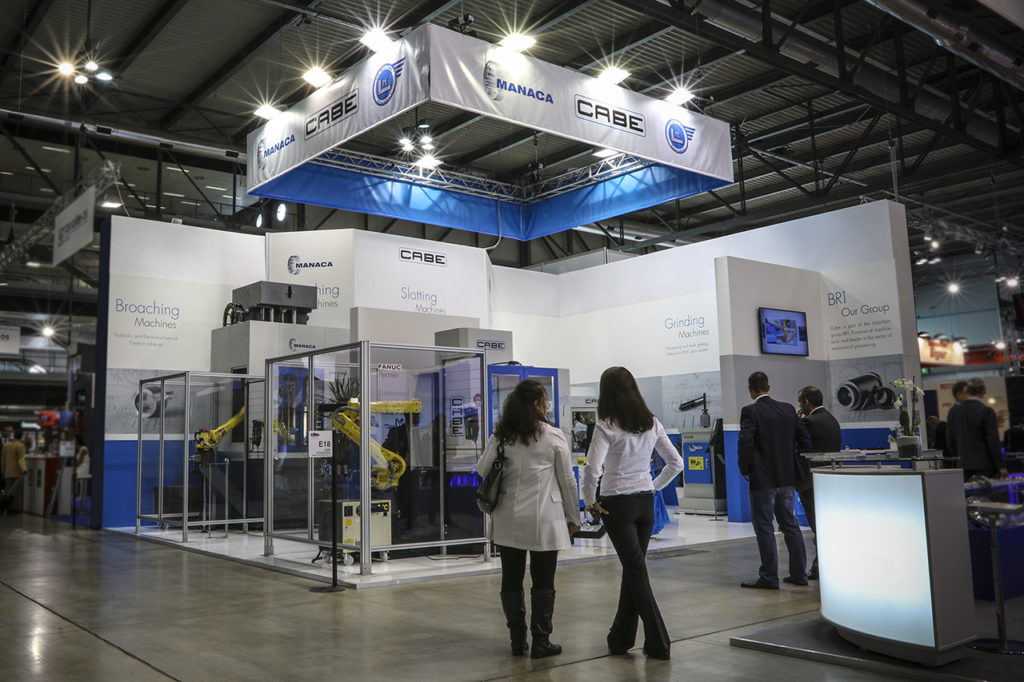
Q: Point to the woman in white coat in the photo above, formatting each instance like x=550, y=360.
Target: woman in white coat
x=538, y=509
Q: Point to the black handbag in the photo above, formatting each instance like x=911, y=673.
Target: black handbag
x=490, y=488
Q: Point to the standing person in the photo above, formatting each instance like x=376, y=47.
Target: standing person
x=973, y=436
x=938, y=429
x=537, y=511
x=826, y=436
x=770, y=436
x=625, y=438
x=1013, y=437
x=12, y=457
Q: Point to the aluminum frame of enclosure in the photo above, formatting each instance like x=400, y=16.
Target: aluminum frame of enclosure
x=161, y=518
x=364, y=357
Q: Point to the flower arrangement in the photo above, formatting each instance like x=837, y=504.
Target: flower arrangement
x=909, y=417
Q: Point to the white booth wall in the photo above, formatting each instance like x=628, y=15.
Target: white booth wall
x=681, y=320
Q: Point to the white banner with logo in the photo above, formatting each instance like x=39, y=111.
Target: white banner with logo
x=322, y=259
x=399, y=273
x=479, y=76
x=934, y=352
x=10, y=340
x=72, y=228
x=385, y=85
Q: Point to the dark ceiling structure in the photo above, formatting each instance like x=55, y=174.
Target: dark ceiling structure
x=830, y=103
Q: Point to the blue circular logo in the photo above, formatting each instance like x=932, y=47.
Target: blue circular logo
x=678, y=136
x=384, y=84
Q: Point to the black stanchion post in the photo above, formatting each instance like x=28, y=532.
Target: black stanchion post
x=334, y=586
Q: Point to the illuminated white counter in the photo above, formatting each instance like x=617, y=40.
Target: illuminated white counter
x=894, y=560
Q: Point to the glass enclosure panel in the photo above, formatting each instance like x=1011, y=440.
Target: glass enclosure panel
x=149, y=407
x=289, y=466
x=548, y=382
x=336, y=399
x=426, y=414
x=501, y=386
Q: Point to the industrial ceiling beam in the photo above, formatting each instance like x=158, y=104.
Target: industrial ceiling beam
x=32, y=21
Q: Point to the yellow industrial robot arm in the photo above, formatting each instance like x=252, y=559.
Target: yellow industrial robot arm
x=207, y=440
x=389, y=466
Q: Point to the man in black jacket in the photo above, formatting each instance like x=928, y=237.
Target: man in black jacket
x=973, y=436
x=826, y=436
x=770, y=436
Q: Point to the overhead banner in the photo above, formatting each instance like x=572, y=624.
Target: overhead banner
x=479, y=76
x=385, y=85
x=72, y=228
x=10, y=340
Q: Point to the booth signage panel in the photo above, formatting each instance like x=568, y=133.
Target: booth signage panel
x=385, y=85
x=10, y=340
x=934, y=352
x=475, y=75
x=320, y=444
x=72, y=228
x=322, y=259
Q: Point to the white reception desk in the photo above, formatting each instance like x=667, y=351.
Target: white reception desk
x=894, y=560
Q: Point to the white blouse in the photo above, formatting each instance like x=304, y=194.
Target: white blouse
x=625, y=459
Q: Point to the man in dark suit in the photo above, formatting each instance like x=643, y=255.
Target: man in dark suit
x=973, y=436
x=1013, y=437
x=826, y=436
x=770, y=436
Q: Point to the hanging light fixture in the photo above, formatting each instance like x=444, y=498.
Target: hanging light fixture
x=85, y=66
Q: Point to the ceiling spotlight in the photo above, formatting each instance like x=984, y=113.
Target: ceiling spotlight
x=425, y=138
x=613, y=75
x=406, y=138
x=267, y=111
x=377, y=40
x=91, y=66
x=282, y=211
x=953, y=288
x=935, y=244
x=422, y=125
x=462, y=23
x=1012, y=282
x=81, y=79
x=935, y=260
x=104, y=76
x=427, y=146
x=605, y=153
x=408, y=146
x=517, y=42
x=316, y=77
x=259, y=221
x=922, y=261
x=1000, y=345
x=48, y=331
x=680, y=95
x=66, y=69
x=32, y=264
x=924, y=335
x=110, y=202
x=428, y=161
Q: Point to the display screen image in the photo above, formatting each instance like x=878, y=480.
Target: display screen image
x=783, y=331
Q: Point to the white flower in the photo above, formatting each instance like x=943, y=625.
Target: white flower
x=898, y=403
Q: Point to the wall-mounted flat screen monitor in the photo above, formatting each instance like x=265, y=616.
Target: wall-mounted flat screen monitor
x=783, y=332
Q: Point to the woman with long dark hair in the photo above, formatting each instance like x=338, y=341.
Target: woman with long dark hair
x=625, y=439
x=537, y=511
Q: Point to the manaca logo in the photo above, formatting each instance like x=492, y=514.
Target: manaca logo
x=297, y=265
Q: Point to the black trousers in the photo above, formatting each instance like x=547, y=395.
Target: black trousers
x=629, y=522
x=513, y=569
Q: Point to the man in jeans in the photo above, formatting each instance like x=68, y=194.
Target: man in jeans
x=770, y=437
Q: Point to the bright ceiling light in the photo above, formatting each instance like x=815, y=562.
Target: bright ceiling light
x=81, y=79
x=1000, y=345
x=518, y=42
x=48, y=331
x=267, y=111
x=428, y=161
x=405, y=140
x=425, y=138
x=104, y=76
x=427, y=146
x=935, y=260
x=110, y=203
x=66, y=68
x=605, y=153
x=935, y=244
x=953, y=288
x=680, y=95
x=91, y=66
x=259, y=221
x=1012, y=282
x=316, y=77
x=613, y=75
x=377, y=40
x=282, y=211
x=32, y=264
x=922, y=261
x=408, y=146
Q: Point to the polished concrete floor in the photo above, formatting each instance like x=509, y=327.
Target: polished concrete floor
x=88, y=605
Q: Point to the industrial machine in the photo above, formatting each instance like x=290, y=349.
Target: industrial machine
x=388, y=466
x=703, y=470
x=348, y=518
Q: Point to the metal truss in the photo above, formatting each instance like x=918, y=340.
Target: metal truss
x=474, y=185
x=102, y=177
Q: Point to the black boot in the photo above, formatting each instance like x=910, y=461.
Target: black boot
x=542, y=607
x=514, y=606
